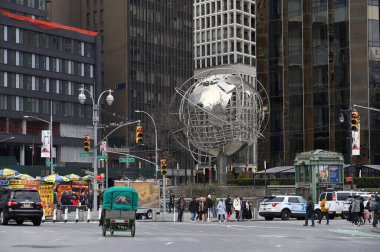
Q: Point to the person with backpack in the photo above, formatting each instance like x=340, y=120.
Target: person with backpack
x=324, y=211
x=309, y=212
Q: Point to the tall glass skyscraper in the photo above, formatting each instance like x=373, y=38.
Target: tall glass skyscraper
x=317, y=58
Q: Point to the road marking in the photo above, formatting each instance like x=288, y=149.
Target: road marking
x=353, y=232
x=168, y=243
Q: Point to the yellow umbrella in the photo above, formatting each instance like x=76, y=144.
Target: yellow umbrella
x=55, y=178
x=22, y=176
x=6, y=172
x=73, y=177
x=88, y=177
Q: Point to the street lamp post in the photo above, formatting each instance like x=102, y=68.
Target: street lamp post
x=95, y=121
x=156, y=159
x=341, y=119
x=51, y=133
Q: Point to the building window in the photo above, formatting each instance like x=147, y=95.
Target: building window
x=3, y=102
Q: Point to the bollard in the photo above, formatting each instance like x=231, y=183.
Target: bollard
x=100, y=212
x=88, y=215
x=65, y=216
x=255, y=213
x=154, y=216
x=76, y=215
x=208, y=215
x=173, y=214
x=54, y=215
x=43, y=216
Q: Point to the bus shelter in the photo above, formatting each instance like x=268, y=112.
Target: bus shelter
x=317, y=170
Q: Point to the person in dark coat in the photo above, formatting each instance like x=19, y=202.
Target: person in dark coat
x=181, y=204
x=193, y=207
x=228, y=203
x=171, y=201
x=208, y=206
x=309, y=212
x=376, y=219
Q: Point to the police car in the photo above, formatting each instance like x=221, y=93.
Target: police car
x=284, y=207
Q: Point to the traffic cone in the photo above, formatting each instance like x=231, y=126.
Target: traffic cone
x=43, y=216
x=76, y=215
x=66, y=212
x=54, y=215
x=88, y=215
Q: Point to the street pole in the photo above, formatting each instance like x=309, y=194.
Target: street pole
x=95, y=120
x=265, y=168
x=51, y=137
x=106, y=160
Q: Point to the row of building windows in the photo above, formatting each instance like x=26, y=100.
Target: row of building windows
x=42, y=62
x=225, y=47
x=42, y=106
x=41, y=84
x=210, y=7
x=45, y=41
x=39, y=4
x=224, y=59
x=225, y=33
x=224, y=19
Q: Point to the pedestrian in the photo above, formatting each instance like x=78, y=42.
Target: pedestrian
x=371, y=207
x=309, y=212
x=355, y=209
x=361, y=215
x=208, y=207
x=221, y=210
x=376, y=218
x=193, y=207
x=90, y=200
x=242, y=209
x=214, y=203
x=171, y=201
x=201, y=208
x=228, y=203
x=324, y=211
x=237, y=207
x=181, y=204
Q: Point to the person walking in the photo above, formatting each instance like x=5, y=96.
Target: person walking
x=324, y=211
x=376, y=218
x=180, y=207
x=193, y=207
x=90, y=200
x=309, y=212
x=221, y=210
x=201, y=208
x=208, y=207
x=371, y=208
x=228, y=203
x=355, y=209
x=171, y=201
x=237, y=207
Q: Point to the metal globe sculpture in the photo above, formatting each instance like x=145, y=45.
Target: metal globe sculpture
x=219, y=112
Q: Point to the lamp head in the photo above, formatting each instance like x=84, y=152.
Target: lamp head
x=26, y=116
x=82, y=97
x=109, y=98
x=137, y=111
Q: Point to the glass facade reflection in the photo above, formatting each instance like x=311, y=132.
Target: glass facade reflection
x=315, y=63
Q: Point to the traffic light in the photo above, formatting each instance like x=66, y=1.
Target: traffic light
x=139, y=133
x=163, y=167
x=87, y=144
x=355, y=121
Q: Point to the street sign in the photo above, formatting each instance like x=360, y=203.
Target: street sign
x=86, y=154
x=89, y=172
x=102, y=157
x=126, y=160
x=348, y=179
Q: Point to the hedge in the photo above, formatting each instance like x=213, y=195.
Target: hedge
x=260, y=182
x=367, y=182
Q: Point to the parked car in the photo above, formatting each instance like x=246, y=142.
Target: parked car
x=20, y=205
x=284, y=207
x=336, y=200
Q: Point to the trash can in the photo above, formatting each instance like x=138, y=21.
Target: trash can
x=154, y=216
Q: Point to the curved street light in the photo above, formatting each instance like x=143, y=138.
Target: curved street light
x=95, y=121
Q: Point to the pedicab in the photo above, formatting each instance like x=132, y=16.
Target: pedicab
x=119, y=210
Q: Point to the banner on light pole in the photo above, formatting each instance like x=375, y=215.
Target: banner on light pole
x=356, y=143
x=45, y=139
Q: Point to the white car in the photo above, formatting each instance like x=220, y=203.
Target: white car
x=336, y=200
x=284, y=207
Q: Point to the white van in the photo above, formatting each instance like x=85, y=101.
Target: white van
x=336, y=201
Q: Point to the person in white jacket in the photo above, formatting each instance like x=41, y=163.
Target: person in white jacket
x=221, y=209
x=237, y=207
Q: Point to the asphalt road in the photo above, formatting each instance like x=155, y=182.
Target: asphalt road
x=271, y=236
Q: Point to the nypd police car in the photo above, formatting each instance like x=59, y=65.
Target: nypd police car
x=284, y=207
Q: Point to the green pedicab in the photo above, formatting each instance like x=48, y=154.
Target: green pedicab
x=119, y=210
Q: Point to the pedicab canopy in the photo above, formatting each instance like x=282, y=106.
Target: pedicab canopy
x=120, y=198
